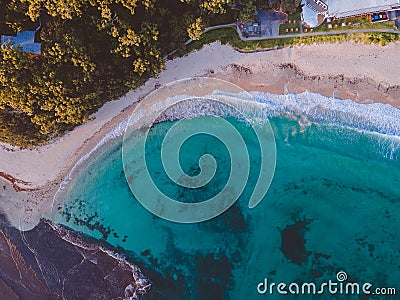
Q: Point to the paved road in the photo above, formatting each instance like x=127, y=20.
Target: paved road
x=336, y=32
x=270, y=22
x=216, y=27
x=350, y=31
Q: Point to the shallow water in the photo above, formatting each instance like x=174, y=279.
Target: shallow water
x=333, y=205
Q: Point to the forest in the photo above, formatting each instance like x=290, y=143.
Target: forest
x=92, y=51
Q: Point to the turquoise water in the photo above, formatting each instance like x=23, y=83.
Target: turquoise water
x=333, y=205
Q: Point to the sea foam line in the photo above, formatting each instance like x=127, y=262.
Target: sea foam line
x=132, y=292
x=115, y=133
x=375, y=118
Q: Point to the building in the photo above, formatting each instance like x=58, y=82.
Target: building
x=26, y=40
x=315, y=11
x=252, y=28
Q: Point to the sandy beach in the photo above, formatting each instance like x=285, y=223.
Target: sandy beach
x=363, y=73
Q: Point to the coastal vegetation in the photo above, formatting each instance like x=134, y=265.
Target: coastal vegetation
x=91, y=52
x=358, y=22
x=96, y=51
x=230, y=36
x=248, y=13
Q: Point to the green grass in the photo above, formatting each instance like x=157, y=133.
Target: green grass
x=230, y=36
x=363, y=21
x=292, y=17
x=283, y=27
x=225, y=35
x=218, y=19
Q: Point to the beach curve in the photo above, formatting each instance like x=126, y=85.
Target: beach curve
x=365, y=74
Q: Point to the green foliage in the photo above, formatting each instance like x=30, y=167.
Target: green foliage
x=214, y=6
x=287, y=6
x=379, y=38
x=17, y=129
x=92, y=52
x=290, y=6
x=230, y=36
x=13, y=17
x=362, y=23
x=248, y=13
x=225, y=36
x=95, y=51
x=195, y=29
x=230, y=16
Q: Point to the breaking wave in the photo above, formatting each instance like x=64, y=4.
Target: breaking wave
x=380, y=121
x=375, y=117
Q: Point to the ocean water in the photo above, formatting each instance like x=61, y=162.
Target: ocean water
x=333, y=205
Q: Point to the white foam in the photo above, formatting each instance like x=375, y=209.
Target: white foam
x=132, y=291
x=115, y=133
x=375, y=118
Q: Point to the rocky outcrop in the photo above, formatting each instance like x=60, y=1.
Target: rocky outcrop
x=51, y=262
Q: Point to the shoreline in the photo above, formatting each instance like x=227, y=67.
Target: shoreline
x=281, y=71
x=119, y=276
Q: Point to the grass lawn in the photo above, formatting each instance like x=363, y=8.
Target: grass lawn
x=289, y=27
x=361, y=23
x=219, y=19
x=230, y=36
x=225, y=35
x=295, y=20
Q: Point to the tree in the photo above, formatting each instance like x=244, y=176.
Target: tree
x=290, y=6
x=214, y=6
x=196, y=29
x=93, y=51
x=15, y=77
x=248, y=13
x=13, y=17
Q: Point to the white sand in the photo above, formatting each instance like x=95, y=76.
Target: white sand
x=44, y=166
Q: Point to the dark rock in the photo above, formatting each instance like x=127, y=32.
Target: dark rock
x=52, y=262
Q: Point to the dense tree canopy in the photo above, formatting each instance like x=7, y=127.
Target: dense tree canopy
x=290, y=6
x=249, y=12
x=13, y=16
x=92, y=51
x=196, y=29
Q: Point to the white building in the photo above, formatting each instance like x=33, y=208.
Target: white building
x=315, y=11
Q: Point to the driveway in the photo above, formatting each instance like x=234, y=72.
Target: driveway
x=270, y=22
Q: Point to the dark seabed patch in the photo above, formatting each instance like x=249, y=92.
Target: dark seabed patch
x=293, y=243
x=214, y=276
x=333, y=206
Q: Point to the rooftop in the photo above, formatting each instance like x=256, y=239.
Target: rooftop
x=343, y=8
x=24, y=39
x=310, y=16
x=346, y=8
